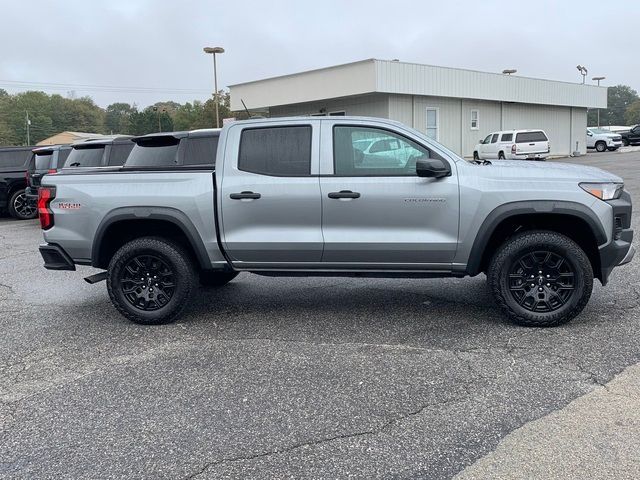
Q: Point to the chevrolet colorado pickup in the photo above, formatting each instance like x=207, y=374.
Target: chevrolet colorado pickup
x=299, y=196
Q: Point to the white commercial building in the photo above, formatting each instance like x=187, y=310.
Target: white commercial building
x=456, y=107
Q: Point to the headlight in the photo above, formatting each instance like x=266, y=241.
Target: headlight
x=604, y=191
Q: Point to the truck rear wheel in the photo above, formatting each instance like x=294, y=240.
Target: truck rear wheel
x=20, y=207
x=150, y=280
x=216, y=279
x=540, y=279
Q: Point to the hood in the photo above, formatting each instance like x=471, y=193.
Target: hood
x=525, y=170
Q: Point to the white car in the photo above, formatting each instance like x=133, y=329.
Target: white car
x=513, y=145
x=603, y=140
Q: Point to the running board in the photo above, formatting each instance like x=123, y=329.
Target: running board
x=98, y=277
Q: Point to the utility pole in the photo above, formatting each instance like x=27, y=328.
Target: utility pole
x=28, y=123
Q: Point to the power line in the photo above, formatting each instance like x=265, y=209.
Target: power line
x=103, y=88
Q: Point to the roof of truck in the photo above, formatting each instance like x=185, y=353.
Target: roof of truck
x=201, y=132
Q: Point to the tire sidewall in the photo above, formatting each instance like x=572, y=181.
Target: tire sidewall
x=174, y=257
x=555, y=243
x=601, y=147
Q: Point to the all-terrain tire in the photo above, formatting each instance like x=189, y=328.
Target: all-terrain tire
x=504, y=271
x=216, y=279
x=20, y=208
x=132, y=274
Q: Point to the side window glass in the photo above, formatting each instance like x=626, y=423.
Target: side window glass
x=507, y=137
x=278, y=151
x=119, y=153
x=494, y=139
x=364, y=151
x=201, y=151
x=487, y=139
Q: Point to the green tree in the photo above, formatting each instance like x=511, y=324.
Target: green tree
x=632, y=115
x=118, y=118
x=618, y=100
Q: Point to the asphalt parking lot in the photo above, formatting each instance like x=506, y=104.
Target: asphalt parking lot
x=288, y=378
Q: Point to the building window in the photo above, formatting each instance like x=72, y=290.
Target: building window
x=432, y=123
x=475, y=119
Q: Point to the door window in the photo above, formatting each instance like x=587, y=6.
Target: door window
x=494, y=139
x=364, y=151
x=276, y=151
x=487, y=139
x=432, y=123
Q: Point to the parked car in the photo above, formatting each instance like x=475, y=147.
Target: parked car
x=603, y=140
x=632, y=137
x=513, y=145
x=175, y=149
x=46, y=160
x=287, y=196
x=14, y=162
x=100, y=153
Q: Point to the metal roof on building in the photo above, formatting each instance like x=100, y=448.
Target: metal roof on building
x=394, y=77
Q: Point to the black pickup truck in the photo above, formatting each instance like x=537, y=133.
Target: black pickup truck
x=14, y=163
x=632, y=137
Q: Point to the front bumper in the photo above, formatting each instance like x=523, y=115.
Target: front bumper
x=620, y=250
x=55, y=258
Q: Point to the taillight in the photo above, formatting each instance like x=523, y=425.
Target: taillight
x=513, y=148
x=51, y=171
x=45, y=195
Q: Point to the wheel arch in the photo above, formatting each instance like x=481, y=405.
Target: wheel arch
x=572, y=219
x=125, y=224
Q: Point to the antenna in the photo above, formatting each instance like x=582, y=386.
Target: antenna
x=245, y=108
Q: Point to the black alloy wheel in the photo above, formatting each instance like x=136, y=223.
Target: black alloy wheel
x=541, y=281
x=147, y=282
x=21, y=208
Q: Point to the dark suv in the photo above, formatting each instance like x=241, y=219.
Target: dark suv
x=46, y=160
x=14, y=162
x=632, y=137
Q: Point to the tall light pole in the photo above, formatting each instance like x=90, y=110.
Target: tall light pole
x=583, y=71
x=213, y=51
x=597, y=79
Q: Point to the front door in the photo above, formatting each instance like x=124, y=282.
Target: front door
x=376, y=212
x=270, y=195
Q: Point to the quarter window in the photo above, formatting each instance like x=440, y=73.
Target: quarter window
x=201, y=151
x=364, y=151
x=432, y=123
x=278, y=151
x=475, y=116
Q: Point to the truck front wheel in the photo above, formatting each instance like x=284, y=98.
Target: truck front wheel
x=150, y=280
x=540, y=279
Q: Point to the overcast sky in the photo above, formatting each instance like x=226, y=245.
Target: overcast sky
x=143, y=51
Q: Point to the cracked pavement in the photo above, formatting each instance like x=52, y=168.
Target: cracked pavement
x=290, y=378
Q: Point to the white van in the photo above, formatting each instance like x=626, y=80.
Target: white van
x=513, y=145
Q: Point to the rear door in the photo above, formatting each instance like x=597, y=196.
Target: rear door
x=270, y=194
x=532, y=143
x=377, y=214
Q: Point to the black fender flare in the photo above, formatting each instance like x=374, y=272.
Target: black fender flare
x=167, y=214
x=512, y=209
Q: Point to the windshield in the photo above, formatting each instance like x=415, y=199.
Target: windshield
x=85, y=157
x=154, y=152
x=43, y=161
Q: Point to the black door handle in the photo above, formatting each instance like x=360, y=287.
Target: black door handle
x=344, y=194
x=242, y=195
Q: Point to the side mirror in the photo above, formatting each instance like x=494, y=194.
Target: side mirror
x=481, y=141
x=432, y=168
x=589, y=134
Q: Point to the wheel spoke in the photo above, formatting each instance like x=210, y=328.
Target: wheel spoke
x=147, y=282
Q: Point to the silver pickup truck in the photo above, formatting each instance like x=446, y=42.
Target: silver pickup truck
x=334, y=196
